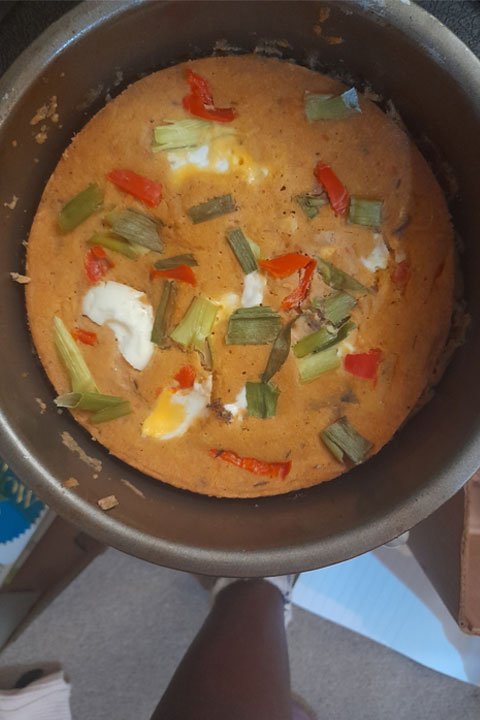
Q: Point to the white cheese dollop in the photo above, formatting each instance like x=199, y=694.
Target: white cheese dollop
x=254, y=285
x=240, y=404
x=120, y=307
x=227, y=303
x=378, y=258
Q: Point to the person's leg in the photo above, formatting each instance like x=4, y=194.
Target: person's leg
x=237, y=666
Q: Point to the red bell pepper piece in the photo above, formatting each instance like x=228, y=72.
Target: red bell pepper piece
x=148, y=191
x=296, y=298
x=200, y=101
x=336, y=191
x=96, y=264
x=400, y=274
x=84, y=336
x=257, y=467
x=363, y=365
x=284, y=265
x=185, y=377
x=183, y=273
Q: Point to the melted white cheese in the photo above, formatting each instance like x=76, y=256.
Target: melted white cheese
x=220, y=155
x=121, y=308
x=253, y=288
x=239, y=406
x=378, y=258
x=198, y=157
x=227, y=303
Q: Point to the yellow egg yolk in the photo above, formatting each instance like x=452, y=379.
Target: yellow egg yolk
x=166, y=416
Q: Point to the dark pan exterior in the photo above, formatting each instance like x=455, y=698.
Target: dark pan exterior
x=434, y=81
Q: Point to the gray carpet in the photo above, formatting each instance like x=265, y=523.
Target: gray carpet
x=121, y=628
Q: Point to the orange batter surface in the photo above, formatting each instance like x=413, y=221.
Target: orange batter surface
x=271, y=160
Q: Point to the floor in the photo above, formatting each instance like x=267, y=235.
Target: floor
x=120, y=629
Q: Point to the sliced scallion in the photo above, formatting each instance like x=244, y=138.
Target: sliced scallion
x=175, y=261
x=111, y=413
x=243, y=252
x=335, y=307
x=328, y=107
x=279, y=351
x=111, y=217
x=261, y=399
x=341, y=438
x=257, y=325
x=254, y=248
x=322, y=339
x=211, y=209
x=115, y=244
x=310, y=203
x=337, y=279
x=313, y=366
x=87, y=401
x=196, y=324
x=365, y=212
x=181, y=134
x=80, y=376
x=206, y=355
x=162, y=317
x=139, y=228
x=80, y=207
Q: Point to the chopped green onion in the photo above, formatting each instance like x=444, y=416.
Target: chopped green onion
x=365, y=212
x=315, y=341
x=255, y=311
x=322, y=339
x=261, y=399
x=175, y=261
x=334, y=449
x=341, y=438
x=185, y=134
x=243, y=251
x=253, y=326
x=254, y=248
x=80, y=376
x=313, y=366
x=80, y=207
x=206, y=355
x=310, y=203
x=139, y=228
x=327, y=107
x=196, y=324
x=87, y=401
x=111, y=217
x=162, y=317
x=335, y=307
x=211, y=209
x=111, y=413
x=116, y=245
x=337, y=279
x=279, y=351
x=180, y=135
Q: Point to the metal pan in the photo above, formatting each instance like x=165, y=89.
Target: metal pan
x=97, y=48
